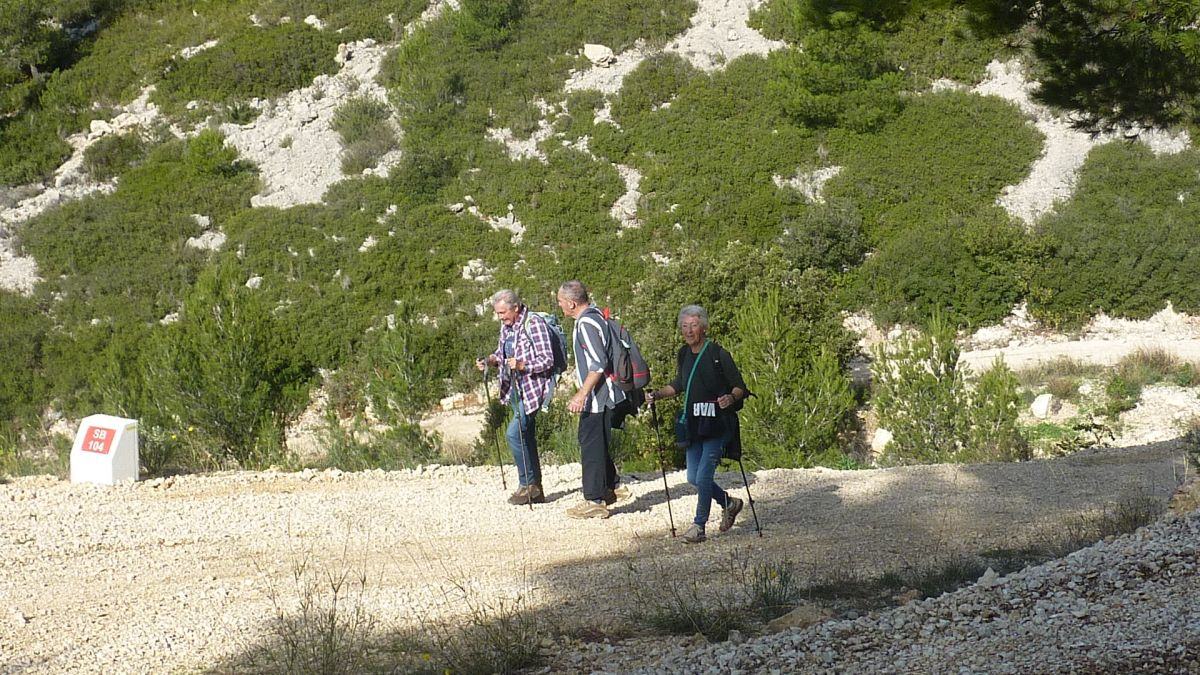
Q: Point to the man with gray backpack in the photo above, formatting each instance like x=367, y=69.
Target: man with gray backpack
x=530, y=355
x=607, y=377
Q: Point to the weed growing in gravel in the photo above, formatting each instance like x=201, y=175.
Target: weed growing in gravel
x=666, y=601
x=319, y=622
x=772, y=588
x=1112, y=520
x=1063, y=367
x=1140, y=369
x=497, y=635
x=366, y=133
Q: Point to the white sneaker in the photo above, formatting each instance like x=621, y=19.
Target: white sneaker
x=694, y=534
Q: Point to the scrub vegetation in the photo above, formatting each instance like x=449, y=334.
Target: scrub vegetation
x=131, y=318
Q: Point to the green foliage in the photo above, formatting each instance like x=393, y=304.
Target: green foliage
x=932, y=165
x=112, y=155
x=1137, y=371
x=973, y=272
x=123, y=254
x=1117, y=62
x=404, y=380
x=827, y=236
x=366, y=133
x=923, y=399
x=250, y=63
x=654, y=82
x=802, y=402
x=223, y=370
x=1124, y=244
x=842, y=78
x=992, y=431
x=918, y=391
x=722, y=283
x=403, y=445
x=22, y=384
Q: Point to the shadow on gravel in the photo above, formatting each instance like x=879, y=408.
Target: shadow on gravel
x=821, y=528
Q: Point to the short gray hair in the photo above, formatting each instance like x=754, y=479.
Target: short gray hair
x=696, y=311
x=507, y=296
x=574, y=291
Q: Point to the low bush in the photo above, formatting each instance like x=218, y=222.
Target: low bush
x=249, y=63
x=654, y=82
x=931, y=166
x=1123, y=243
x=111, y=155
x=366, y=132
x=1140, y=369
x=922, y=397
x=23, y=390
x=222, y=369
x=974, y=272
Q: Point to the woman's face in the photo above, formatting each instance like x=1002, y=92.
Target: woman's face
x=692, y=330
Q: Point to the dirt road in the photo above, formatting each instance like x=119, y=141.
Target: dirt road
x=179, y=575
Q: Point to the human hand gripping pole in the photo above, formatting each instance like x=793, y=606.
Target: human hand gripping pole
x=662, y=461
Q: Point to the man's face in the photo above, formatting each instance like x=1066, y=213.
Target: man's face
x=507, y=314
x=567, y=306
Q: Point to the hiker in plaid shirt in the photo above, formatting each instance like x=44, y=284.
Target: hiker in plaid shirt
x=524, y=356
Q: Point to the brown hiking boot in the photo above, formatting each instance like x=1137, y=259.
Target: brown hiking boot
x=535, y=494
x=620, y=493
x=730, y=514
x=587, y=509
x=518, y=497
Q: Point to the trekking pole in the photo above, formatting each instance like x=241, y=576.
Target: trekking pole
x=662, y=464
x=520, y=412
x=487, y=388
x=746, y=482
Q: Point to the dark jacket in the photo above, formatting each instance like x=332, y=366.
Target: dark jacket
x=716, y=375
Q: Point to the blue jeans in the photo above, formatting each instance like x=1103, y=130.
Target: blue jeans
x=703, y=455
x=531, y=471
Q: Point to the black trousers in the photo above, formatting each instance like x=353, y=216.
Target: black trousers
x=595, y=439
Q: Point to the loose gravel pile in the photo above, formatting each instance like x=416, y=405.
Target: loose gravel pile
x=186, y=573
x=1129, y=605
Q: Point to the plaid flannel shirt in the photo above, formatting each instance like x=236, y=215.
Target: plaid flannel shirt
x=532, y=345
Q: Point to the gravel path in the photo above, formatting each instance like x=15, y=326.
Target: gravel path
x=1125, y=606
x=179, y=574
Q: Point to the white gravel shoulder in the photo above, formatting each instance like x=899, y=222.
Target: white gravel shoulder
x=178, y=574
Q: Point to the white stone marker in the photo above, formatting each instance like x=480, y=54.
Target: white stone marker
x=105, y=451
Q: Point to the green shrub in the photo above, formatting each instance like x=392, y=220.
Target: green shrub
x=722, y=283
x=974, y=271
x=1124, y=243
x=655, y=81
x=221, y=370
x=842, y=78
x=1135, y=372
x=932, y=165
x=992, y=432
x=22, y=381
x=922, y=397
x=802, y=402
x=366, y=133
x=250, y=63
x=404, y=445
x=828, y=236
x=111, y=155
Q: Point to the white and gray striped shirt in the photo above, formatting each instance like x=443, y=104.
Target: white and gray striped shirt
x=590, y=339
